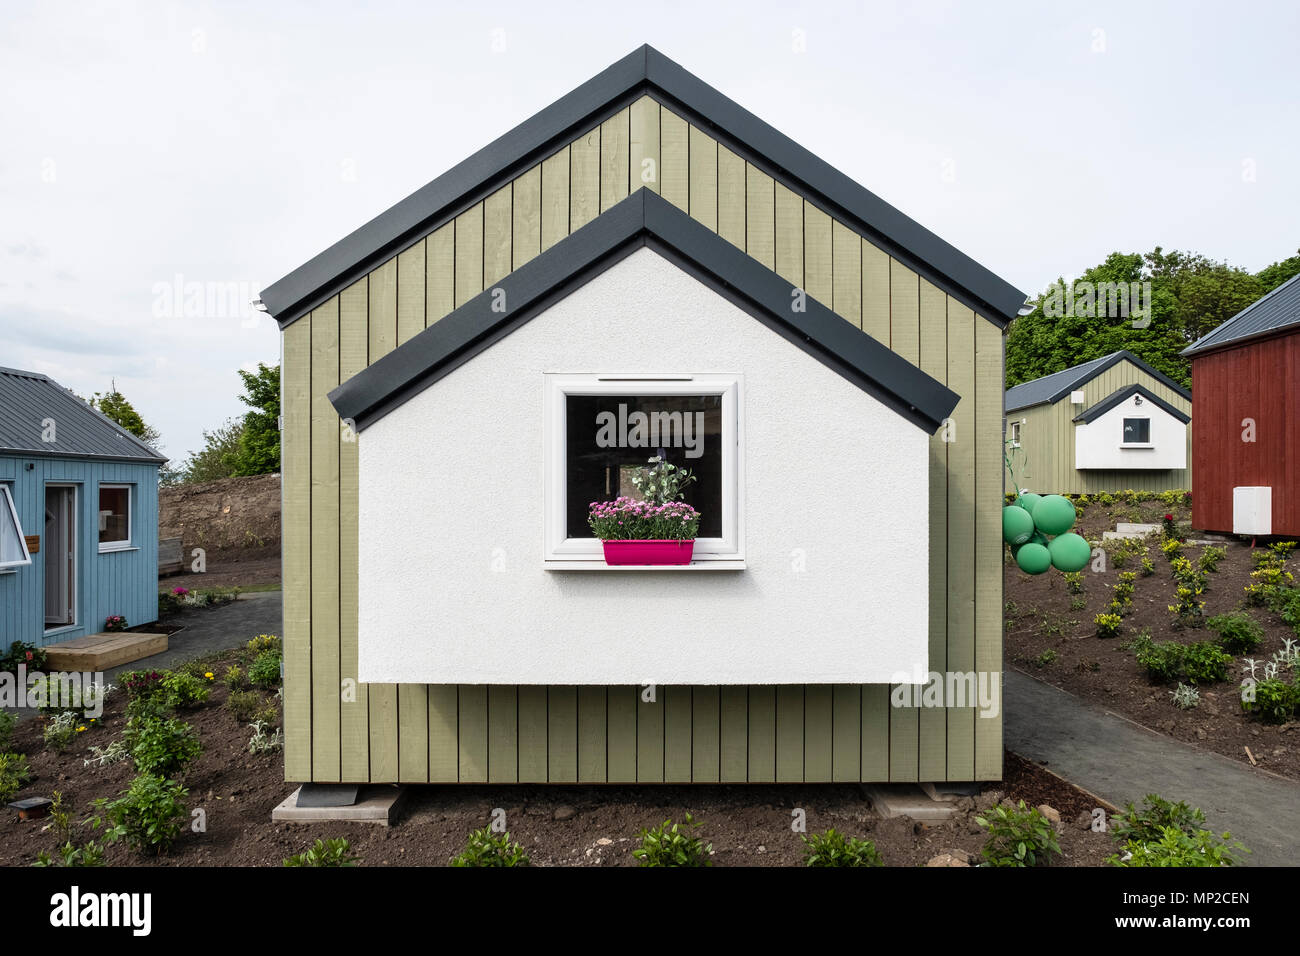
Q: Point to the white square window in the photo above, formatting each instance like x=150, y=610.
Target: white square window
x=601, y=428
x=114, y=517
x=13, y=546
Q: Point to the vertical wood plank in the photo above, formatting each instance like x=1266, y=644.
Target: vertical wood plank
x=295, y=539
x=533, y=759
x=498, y=227
x=705, y=742
x=469, y=254
x=614, y=150
x=876, y=714
x=677, y=734
x=555, y=198
x=961, y=534
x=439, y=273
x=988, y=540
x=731, y=197
x=444, y=733
x=788, y=235
x=473, y=734
x=818, y=733
x=503, y=733
x=411, y=269
x=562, y=734
x=526, y=241
x=817, y=248
x=762, y=733
x=760, y=216
x=789, y=733
x=675, y=159
x=650, y=737
x=733, y=733
x=620, y=726
x=325, y=544
x=846, y=273
x=584, y=179
x=704, y=178
x=848, y=740
x=354, y=718
x=643, y=153
x=592, y=709
x=875, y=292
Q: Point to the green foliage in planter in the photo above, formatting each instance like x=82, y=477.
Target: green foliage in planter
x=14, y=774
x=1018, y=836
x=1205, y=663
x=150, y=814
x=1275, y=701
x=1238, y=631
x=835, y=849
x=1174, y=847
x=485, y=848
x=265, y=670
x=161, y=746
x=184, y=690
x=324, y=853
x=672, y=844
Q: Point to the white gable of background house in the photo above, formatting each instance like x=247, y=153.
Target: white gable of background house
x=1100, y=443
x=452, y=583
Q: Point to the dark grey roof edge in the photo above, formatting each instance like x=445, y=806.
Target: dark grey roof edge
x=644, y=70
x=1085, y=377
x=643, y=219
x=1123, y=394
x=149, y=454
x=1210, y=340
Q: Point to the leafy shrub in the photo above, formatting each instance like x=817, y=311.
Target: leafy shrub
x=485, y=848
x=115, y=622
x=1237, y=630
x=671, y=844
x=1018, y=836
x=1274, y=700
x=60, y=729
x=149, y=814
x=324, y=853
x=1074, y=582
x=161, y=746
x=14, y=774
x=265, y=642
x=1144, y=824
x=1286, y=602
x=265, y=670
x=236, y=678
x=142, y=683
x=184, y=690
x=1176, y=848
x=1210, y=558
x=1205, y=663
x=1185, y=697
x=8, y=720
x=835, y=849
x=154, y=706
x=1107, y=624
x=244, y=705
x=32, y=656
x=1148, y=568
x=1171, y=548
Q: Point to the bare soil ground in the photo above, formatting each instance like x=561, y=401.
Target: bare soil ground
x=236, y=521
x=1041, y=615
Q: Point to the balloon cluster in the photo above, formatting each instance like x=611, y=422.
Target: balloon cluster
x=1028, y=522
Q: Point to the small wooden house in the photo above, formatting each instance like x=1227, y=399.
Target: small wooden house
x=1246, y=376
x=78, y=516
x=1111, y=424
x=643, y=242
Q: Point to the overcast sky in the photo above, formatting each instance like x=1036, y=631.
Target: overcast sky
x=151, y=144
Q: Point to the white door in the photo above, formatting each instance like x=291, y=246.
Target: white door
x=60, y=548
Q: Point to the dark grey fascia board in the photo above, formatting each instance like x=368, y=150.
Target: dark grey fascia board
x=1123, y=395
x=8, y=452
x=1114, y=360
x=643, y=71
x=643, y=219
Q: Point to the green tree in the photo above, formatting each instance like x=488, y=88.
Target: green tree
x=1279, y=272
x=114, y=405
x=259, y=442
x=216, y=459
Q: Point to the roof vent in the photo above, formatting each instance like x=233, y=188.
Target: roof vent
x=1076, y=397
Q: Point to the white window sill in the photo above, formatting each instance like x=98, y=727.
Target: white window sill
x=111, y=548
x=1136, y=444
x=719, y=565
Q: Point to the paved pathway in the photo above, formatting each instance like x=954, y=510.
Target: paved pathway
x=1121, y=761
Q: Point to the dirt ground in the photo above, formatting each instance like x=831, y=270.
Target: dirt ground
x=1039, y=618
x=240, y=567
x=558, y=826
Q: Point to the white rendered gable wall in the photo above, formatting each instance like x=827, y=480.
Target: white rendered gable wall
x=1097, y=444
x=451, y=510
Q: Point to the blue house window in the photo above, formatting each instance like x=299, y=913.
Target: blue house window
x=114, y=517
x=13, y=546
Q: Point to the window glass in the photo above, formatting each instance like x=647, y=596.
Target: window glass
x=608, y=437
x=1137, y=430
x=12, y=549
x=114, y=515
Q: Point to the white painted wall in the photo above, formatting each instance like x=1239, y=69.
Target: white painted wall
x=1098, y=444
x=452, y=588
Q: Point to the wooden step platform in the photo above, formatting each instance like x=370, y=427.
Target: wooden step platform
x=99, y=652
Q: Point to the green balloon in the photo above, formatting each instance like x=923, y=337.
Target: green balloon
x=1054, y=514
x=1038, y=538
x=1069, y=552
x=1017, y=525
x=1033, y=558
x=1028, y=500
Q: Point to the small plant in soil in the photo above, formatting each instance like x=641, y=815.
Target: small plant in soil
x=1143, y=823
x=1107, y=624
x=1047, y=657
x=264, y=740
x=245, y=705
x=1210, y=558
x=672, y=844
x=1185, y=697
x=1148, y=567
x=8, y=720
x=30, y=656
x=60, y=730
x=235, y=678
x=1188, y=608
x=14, y=774
x=1171, y=548
x=115, y=752
x=161, y=746
x=1177, y=848
x=1167, y=526
x=1078, y=603
x=324, y=853
x=264, y=672
x=184, y=691
x=835, y=849
x=1018, y=836
x=1074, y=582
x=485, y=848
x=149, y=815
x=1206, y=663
x=1238, y=631
x=1272, y=699
x=115, y=622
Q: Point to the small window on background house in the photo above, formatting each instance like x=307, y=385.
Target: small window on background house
x=114, y=517
x=1015, y=433
x=13, y=547
x=1137, y=431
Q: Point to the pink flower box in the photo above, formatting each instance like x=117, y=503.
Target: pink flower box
x=649, y=551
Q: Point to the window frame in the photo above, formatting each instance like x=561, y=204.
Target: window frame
x=1015, y=433
x=1144, y=443
x=7, y=502
x=129, y=544
x=561, y=550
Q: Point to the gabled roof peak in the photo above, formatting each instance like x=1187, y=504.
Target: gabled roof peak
x=1053, y=387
